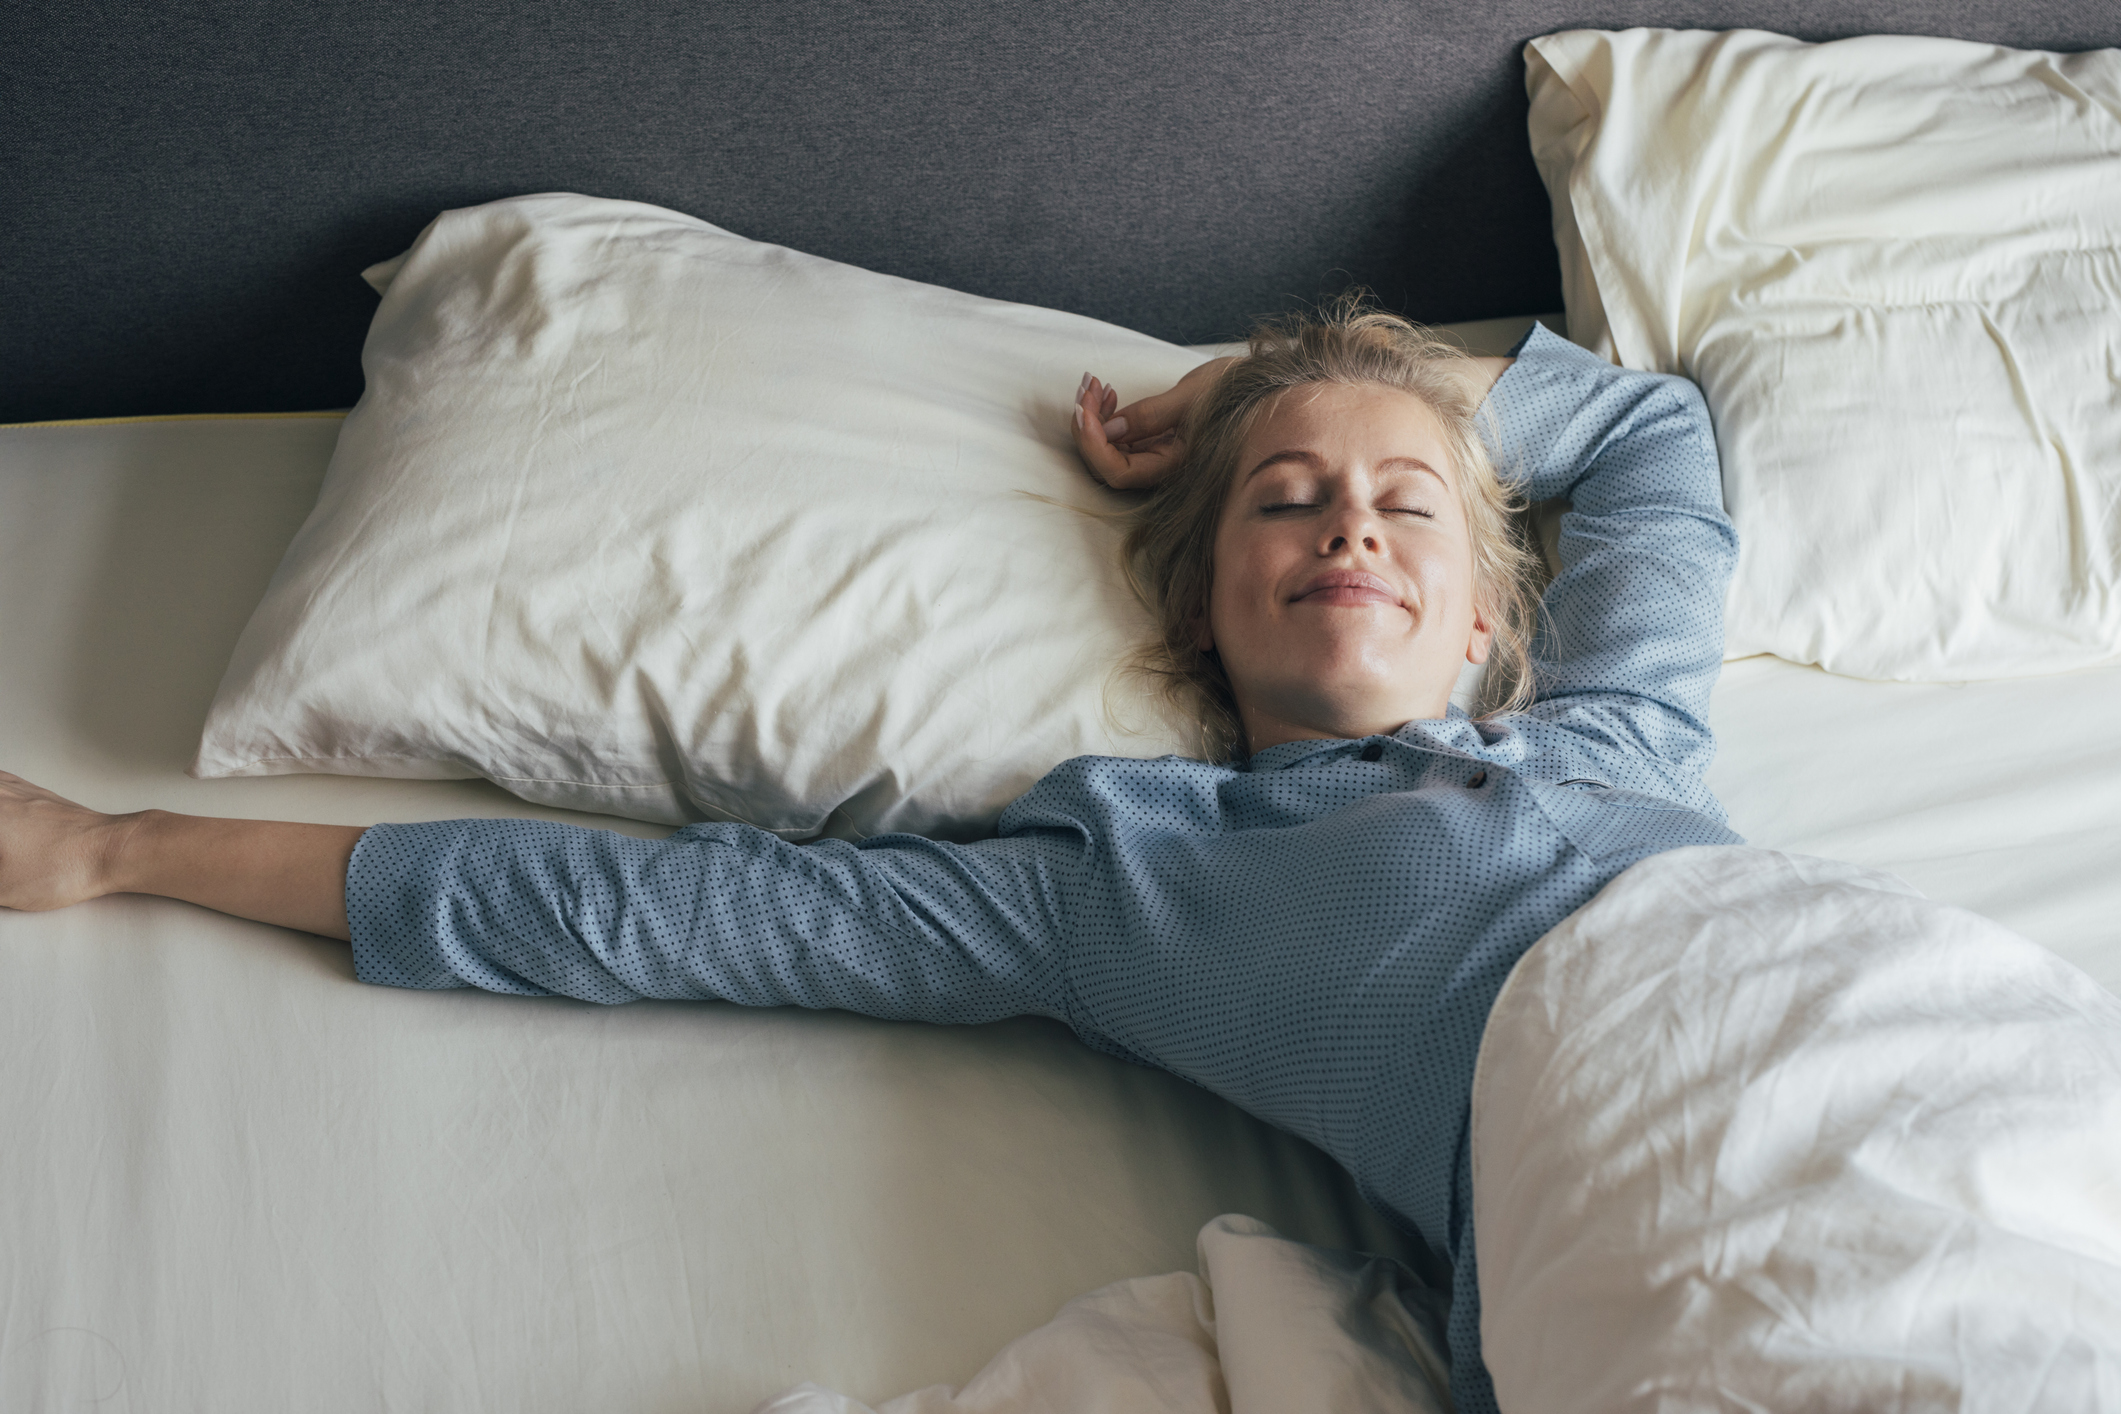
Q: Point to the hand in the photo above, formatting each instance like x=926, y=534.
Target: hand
x=52, y=851
x=1131, y=448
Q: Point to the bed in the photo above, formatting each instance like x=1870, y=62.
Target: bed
x=233, y=1178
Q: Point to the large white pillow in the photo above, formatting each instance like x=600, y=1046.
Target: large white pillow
x=641, y=517
x=1894, y=266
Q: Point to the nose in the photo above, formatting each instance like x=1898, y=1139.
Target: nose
x=1350, y=526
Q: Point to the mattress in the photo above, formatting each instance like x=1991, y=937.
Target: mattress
x=236, y=1179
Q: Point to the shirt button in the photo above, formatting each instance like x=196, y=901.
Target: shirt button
x=1375, y=751
x=1480, y=778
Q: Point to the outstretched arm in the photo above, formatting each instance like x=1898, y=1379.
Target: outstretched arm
x=54, y=852
x=894, y=927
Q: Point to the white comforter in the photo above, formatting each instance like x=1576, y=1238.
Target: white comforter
x=1759, y=1131
x=1269, y=1326
x=1751, y=1131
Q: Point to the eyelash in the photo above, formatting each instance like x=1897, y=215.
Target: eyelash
x=1280, y=506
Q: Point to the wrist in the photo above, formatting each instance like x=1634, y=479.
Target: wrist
x=123, y=852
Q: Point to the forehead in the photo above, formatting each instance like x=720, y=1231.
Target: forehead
x=1340, y=422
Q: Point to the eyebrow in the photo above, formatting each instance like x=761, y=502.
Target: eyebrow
x=1313, y=460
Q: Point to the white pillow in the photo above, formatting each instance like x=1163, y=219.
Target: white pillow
x=1894, y=267
x=640, y=517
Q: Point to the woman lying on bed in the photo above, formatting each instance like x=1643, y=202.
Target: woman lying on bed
x=1315, y=923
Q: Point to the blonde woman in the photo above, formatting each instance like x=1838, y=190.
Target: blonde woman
x=1313, y=921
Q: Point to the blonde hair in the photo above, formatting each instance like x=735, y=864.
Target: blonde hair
x=1170, y=544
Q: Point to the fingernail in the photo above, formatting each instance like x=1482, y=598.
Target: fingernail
x=1082, y=387
x=1078, y=417
x=1116, y=426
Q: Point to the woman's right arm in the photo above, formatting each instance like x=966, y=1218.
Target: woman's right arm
x=54, y=852
x=1131, y=448
x=897, y=926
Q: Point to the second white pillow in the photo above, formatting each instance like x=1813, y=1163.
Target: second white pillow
x=1894, y=266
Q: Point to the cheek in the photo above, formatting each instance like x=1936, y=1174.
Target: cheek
x=1465, y=590
x=1448, y=569
x=1442, y=572
x=1250, y=560
x=1231, y=570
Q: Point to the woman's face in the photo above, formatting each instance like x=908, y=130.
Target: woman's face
x=1342, y=603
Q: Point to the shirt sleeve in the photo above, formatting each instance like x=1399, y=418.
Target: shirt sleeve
x=1631, y=634
x=896, y=926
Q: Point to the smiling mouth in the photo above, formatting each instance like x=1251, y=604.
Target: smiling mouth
x=1347, y=589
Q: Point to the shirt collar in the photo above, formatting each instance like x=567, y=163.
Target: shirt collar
x=1454, y=731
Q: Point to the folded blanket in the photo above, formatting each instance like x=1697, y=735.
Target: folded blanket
x=1268, y=1326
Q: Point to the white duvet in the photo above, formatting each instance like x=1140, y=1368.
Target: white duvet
x=1751, y=1131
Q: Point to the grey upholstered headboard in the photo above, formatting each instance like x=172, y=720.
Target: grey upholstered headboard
x=188, y=189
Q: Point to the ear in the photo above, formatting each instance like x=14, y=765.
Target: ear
x=1482, y=640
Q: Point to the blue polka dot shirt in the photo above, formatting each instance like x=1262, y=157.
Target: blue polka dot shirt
x=1317, y=933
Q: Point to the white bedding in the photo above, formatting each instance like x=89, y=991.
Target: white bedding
x=2002, y=797
x=238, y=1180
x=1751, y=1130
x=1761, y=1131
x=1269, y=1326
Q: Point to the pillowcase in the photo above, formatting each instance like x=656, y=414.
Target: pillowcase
x=1894, y=267
x=640, y=517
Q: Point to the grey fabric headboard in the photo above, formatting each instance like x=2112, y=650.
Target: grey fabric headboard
x=187, y=190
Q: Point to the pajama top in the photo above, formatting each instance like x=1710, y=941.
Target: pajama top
x=1317, y=933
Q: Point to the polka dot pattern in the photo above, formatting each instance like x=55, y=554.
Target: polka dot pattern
x=1317, y=933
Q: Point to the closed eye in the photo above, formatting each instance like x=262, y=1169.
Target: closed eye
x=1286, y=507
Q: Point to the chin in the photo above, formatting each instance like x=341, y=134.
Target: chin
x=1361, y=662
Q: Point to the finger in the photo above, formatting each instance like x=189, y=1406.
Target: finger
x=1147, y=467
x=1133, y=445
x=1154, y=415
x=1105, y=461
x=1104, y=400
x=1141, y=465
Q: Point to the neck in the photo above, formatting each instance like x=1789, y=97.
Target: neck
x=1265, y=729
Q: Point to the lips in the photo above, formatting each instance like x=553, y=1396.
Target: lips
x=1346, y=588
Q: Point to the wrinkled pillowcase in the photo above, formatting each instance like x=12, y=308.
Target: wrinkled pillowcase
x=1894, y=267
x=640, y=517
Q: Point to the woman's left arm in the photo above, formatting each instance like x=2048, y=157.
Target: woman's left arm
x=1632, y=638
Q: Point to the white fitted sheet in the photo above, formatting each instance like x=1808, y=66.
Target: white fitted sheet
x=236, y=1179
x=2003, y=797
